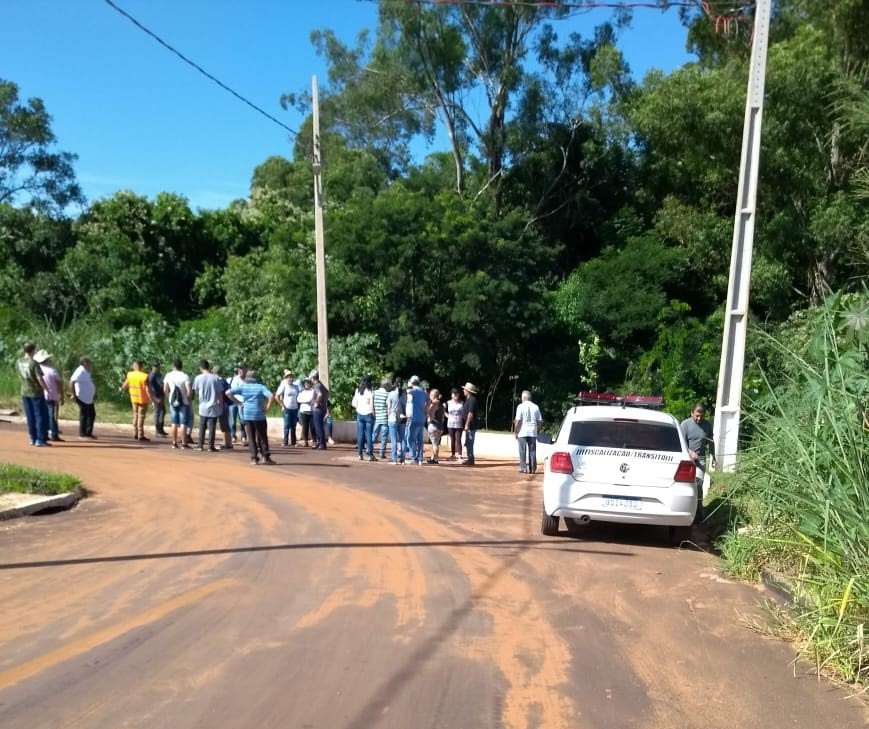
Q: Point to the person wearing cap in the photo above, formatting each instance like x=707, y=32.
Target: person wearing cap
x=53, y=392
x=381, y=416
x=236, y=424
x=256, y=399
x=469, y=414
x=33, y=396
x=136, y=383
x=176, y=388
x=155, y=392
x=319, y=407
x=287, y=396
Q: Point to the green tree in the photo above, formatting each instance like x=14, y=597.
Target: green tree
x=30, y=170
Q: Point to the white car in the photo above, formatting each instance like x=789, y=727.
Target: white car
x=617, y=462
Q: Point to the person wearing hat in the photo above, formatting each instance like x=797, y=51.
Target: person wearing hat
x=136, y=383
x=53, y=392
x=469, y=414
x=287, y=396
x=256, y=399
x=33, y=397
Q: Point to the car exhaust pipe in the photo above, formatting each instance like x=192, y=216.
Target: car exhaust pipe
x=584, y=519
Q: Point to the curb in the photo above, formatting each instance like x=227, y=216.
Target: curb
x=29, y=504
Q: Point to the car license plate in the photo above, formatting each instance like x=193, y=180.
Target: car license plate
x=623, y=502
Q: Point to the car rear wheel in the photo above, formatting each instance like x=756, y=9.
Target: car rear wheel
x=679, y=534
x=549, y=527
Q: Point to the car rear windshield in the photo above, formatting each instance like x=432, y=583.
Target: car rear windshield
x=633, y=435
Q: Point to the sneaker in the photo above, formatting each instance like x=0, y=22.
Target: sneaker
x=57, y=440
x=40, y=444
x=142, y=437
x=372, y=459
x=175, y=445
x=198, y=448
x=253, y=461
x=330, y=441
x=212, y=449
x=225, y=448
x=267, y=461
x=183, y=446
x=359, y=457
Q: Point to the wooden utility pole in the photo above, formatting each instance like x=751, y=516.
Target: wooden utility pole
x=320, y=254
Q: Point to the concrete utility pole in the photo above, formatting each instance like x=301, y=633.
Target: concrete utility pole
x=320, y=254
x=730, y=373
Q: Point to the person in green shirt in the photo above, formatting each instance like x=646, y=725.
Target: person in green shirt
x=33, y=397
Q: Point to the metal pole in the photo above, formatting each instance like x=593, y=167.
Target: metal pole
x=730, y=373
x=320, y=255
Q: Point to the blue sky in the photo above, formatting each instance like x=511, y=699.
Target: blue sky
x=140, y=119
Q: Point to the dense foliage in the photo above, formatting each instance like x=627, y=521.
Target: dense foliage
x=575, y=231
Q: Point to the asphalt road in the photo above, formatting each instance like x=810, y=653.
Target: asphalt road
x=194, y=590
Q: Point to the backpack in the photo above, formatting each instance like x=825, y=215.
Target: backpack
x=176, y=397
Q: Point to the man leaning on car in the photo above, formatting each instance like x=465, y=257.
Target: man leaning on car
x=698, y=433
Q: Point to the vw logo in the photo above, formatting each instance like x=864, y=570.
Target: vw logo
x=624, y=468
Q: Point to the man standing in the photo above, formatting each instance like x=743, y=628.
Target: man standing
x=417, y=400
x=83, y=391
x=698, y=433
x=209, y=393
x=396, y=403
x=236, y=422
x=33, y=397
x=176, y=389
x=470, y=421
x=381, y=415
x=225, y=401
x=155, y=392
x=287, y=396
x=256, y=400
x=53, y=392
x=136, y=382
x=319, y=406
x=526, y=426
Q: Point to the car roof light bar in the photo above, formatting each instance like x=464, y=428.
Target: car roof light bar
x=652, y=402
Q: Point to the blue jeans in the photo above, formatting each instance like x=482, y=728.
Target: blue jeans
x=36, y=413
x=414, y=439
x=235, y=423
x=318, y=416
x=470, y=435
x=527, y=445
x=380, y=432
x=364, y=428
x=51, y=419
x=291, y=417
x=396, y=442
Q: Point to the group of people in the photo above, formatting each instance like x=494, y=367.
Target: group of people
x=406, y=416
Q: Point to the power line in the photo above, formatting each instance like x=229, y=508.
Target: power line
x=199, y=68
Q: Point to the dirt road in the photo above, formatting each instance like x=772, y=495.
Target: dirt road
x=194, y=590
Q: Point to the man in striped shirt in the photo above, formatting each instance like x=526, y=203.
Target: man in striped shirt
x=381, y=417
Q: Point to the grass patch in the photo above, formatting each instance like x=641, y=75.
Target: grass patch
x=19, y=479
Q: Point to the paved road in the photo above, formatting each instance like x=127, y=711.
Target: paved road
x=194, y=590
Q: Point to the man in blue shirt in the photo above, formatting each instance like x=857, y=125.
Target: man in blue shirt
x=416, y=421
x=256, y=399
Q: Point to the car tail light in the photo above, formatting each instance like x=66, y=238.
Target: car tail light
x=560, y=463
x=686, y=473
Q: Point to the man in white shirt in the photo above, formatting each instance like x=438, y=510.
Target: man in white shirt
x=176, y=388
x=287, y=395
x=81, y=387
x=525, y=427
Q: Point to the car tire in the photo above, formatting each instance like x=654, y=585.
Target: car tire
x=549, y=526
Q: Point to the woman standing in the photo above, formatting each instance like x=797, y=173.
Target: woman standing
x=435, y=417
x=363, y=402
x=454, y=424
x=304, y=398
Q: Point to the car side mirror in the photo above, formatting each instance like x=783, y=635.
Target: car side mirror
x=544, y=438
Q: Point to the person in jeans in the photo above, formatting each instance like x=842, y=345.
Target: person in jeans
x=256, y=399
x=363, y=403
x=209, y=393
x=698, y=434
x=33, y=397
x=53, y=392
x=155, y=392
x=396, y=403
x=525, y=427
x=136, y=382
x=319, y=406
x=83, y=391
x=455, y=423
x=470, y=421
x=236, y=422
x=416, y=404
x=176, y=389
x=306, y=396
x=287, y=396
x=381, y=418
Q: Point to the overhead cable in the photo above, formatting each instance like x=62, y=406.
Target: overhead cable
x=199, y=68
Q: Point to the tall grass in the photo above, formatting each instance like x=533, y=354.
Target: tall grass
x=807, y=474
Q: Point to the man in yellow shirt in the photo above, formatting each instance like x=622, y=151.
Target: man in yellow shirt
x=136, y=382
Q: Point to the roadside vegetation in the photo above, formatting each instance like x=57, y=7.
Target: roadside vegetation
x=20, y=479
x=800, y=496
